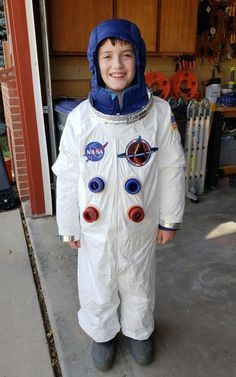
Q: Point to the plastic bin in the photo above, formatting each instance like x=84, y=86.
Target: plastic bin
x=62, y=107
x=7, y=198
x=2, y=129
x=228, y=150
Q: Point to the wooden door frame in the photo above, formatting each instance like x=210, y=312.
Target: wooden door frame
x=18, y=30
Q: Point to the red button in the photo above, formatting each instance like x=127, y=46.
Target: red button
x=136, y=214
x=90, y=214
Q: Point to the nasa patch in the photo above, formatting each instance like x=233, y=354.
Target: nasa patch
x=95, y=151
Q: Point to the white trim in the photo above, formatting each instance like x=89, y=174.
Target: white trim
x=39, y=107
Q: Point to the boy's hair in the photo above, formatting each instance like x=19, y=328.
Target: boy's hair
x=113, y=41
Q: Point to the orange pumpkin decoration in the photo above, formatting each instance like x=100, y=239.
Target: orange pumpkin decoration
x=159, y=84
x=184, y=84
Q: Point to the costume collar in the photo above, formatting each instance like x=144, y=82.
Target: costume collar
x=134, y=98
x=125, y=118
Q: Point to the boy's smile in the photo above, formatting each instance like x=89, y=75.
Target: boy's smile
x=117, y=65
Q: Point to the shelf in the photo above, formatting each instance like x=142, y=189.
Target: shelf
x=228, y=112
x=224, y=109
x=228, y=169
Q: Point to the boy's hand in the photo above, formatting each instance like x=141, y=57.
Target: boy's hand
x=164, y=236
x=74, y=244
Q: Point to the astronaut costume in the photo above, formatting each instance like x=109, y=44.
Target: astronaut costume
x=119, y=177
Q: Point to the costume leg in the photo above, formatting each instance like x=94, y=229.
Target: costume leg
x=97, y=285
x=137, y=289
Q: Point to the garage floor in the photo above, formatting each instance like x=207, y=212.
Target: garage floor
x=196, y=297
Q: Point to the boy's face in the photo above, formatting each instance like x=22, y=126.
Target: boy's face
x=117, y=65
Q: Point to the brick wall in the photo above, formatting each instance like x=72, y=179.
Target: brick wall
x=15, y=137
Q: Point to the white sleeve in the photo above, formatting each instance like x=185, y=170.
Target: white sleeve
x=66, y=168
x=172, y=177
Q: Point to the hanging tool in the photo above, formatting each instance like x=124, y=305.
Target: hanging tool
x=185, y=62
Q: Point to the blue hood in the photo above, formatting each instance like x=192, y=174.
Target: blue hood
x=134, y=97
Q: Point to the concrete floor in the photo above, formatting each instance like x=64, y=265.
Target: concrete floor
x=195, y=297
x=23, y=344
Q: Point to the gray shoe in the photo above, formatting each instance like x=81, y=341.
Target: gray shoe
x=142, y=350
x=103, y=354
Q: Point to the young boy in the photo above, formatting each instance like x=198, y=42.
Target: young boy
x=120, y=189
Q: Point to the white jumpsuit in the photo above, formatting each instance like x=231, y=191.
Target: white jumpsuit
x=116, y=261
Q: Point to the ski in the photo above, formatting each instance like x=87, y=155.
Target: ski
x=207, y=122
x=196, y=144
x=192, y=123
